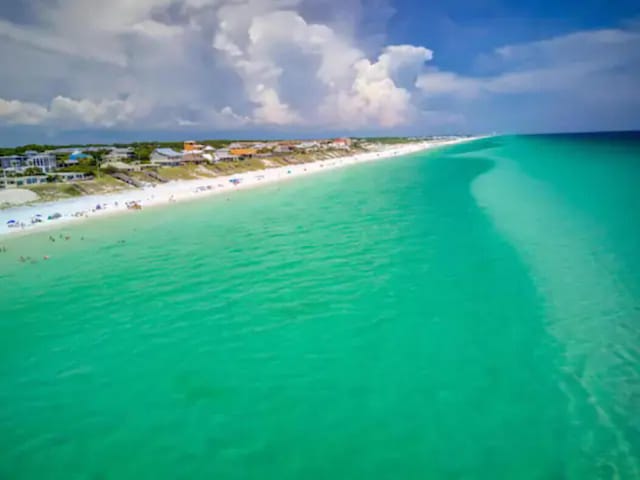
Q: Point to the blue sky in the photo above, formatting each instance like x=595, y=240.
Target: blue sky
x=95, y=71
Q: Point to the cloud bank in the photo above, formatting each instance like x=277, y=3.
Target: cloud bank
x=214, y=63
x=286, y=64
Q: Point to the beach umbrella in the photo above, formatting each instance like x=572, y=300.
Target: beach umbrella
x=11, y=222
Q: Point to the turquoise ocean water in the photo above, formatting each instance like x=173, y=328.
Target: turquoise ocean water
x=471, y=312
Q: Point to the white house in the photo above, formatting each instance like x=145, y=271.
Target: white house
x=19, y=163
x=341, y=143
x=223, y=154
x=44, y=161
x=119, y=154
x=308, y=146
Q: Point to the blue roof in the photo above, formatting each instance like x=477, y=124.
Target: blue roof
x=168, y=152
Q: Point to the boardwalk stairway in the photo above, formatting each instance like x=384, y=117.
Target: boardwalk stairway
x=126, y=179
x=156, y=176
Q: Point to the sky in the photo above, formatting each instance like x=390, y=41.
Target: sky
x=80, y=71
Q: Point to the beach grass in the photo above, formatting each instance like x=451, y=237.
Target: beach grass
x=101, y=185
x=56, y=191
x=59, y=191
x=183, y=172
x=237, y=166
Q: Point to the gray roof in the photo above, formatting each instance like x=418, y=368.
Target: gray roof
x=168, y=152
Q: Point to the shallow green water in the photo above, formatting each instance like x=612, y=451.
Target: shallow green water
x=467, y=313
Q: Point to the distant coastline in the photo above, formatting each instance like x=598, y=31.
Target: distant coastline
x=49, y=215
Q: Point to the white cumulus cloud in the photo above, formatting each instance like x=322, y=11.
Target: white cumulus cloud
x=192, y=62
x=272, y=64
x=103, y=113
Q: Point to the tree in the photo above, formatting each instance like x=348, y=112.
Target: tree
x=88, y=161
x=32, y=171
x=109, y=169
x=143, y=151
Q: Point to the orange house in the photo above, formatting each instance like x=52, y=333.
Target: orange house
x=243, y=152
x=190, y=146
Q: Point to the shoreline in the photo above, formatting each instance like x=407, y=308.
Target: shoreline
x=82, y=208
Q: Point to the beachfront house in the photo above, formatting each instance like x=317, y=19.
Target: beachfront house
x=15, y=182
x=13, y=162
x=341, y=143
x=307, y=146
x=70, y=176
x=243, y=152
x=166, y=157
x=19, y=163
x=120, y=154
x=195, y=156
x=223, y=154
x=44, y=161
x=192, y=146
x=283, y=149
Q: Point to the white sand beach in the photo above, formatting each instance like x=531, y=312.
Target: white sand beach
x=35, y=217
